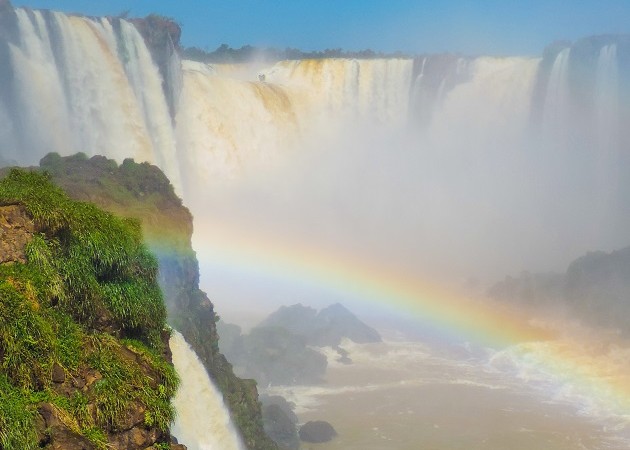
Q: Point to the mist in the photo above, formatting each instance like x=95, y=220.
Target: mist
x=462, y=195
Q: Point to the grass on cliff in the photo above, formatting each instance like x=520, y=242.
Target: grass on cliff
x=130, y=189
x=88, y=278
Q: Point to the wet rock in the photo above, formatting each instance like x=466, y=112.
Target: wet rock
x=133, y=416
x=47, y=413
x=58, y=436
x=279, y=426
x=317, y=431
x=78, y=383
x=58, y=374
x=63, y=439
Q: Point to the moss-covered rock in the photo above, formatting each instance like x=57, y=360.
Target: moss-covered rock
x=142, y=191
x=82, y=326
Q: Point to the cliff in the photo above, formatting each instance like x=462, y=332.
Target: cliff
x=279, y=350
x=595, y=288
x=324, y=328
x=84, y=358
x=142, y=192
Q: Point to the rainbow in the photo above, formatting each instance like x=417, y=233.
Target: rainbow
x=595, y=372
x=392, y=288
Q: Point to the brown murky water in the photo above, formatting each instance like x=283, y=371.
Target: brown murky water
x=403, y=397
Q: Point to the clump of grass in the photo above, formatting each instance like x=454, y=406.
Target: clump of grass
x=125, y=383
x=16, y=418
x=92, y=260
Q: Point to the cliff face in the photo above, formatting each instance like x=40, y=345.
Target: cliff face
x=141, y=191
x=595, y=288
x=84, y=359
x=279, y=351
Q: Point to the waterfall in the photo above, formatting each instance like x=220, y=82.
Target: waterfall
x=226, y=121
x=375, y=89
x=434, y=77
x=86, y=85
x=556, y=109
x=607, y=122
x=607, y=98
x=71, y=83
x=490, y=106
x=203, y=422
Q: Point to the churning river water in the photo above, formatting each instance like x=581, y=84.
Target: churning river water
x=411, y=395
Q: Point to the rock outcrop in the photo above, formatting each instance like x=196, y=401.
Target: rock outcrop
x=16, y=230
x=84, y=359
x=324, y=328
x=142, y=192
x=278, y=350
x=317, y=431
x=274, y=355
x=595, y=288
x=280, y=421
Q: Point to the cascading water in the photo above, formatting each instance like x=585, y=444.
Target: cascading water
x=489, y=106
x=203, y=422
x=348, y=88
x=607, y=116
x=225, y=123
x=86, y=85
x=95, y=86
x=607, y=97
x=556, y=108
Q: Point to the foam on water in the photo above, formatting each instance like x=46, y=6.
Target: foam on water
x=523, y=383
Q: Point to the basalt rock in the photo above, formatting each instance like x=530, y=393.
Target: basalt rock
x=317, y=431
x=280, y=422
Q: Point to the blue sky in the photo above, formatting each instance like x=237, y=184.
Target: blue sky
x=495, y=27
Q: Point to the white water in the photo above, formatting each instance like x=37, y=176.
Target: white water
x=607, y=97
x=353, y=89
x=203, y=422
x=96, y=90
x=489, y=111
x=556, y=108
x=229, y=121
x=225, y=123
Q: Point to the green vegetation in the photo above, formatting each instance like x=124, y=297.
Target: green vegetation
x=87, y=282
x=141, y=191
x=226, y=54
x=131, y=189
x=16, y=418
